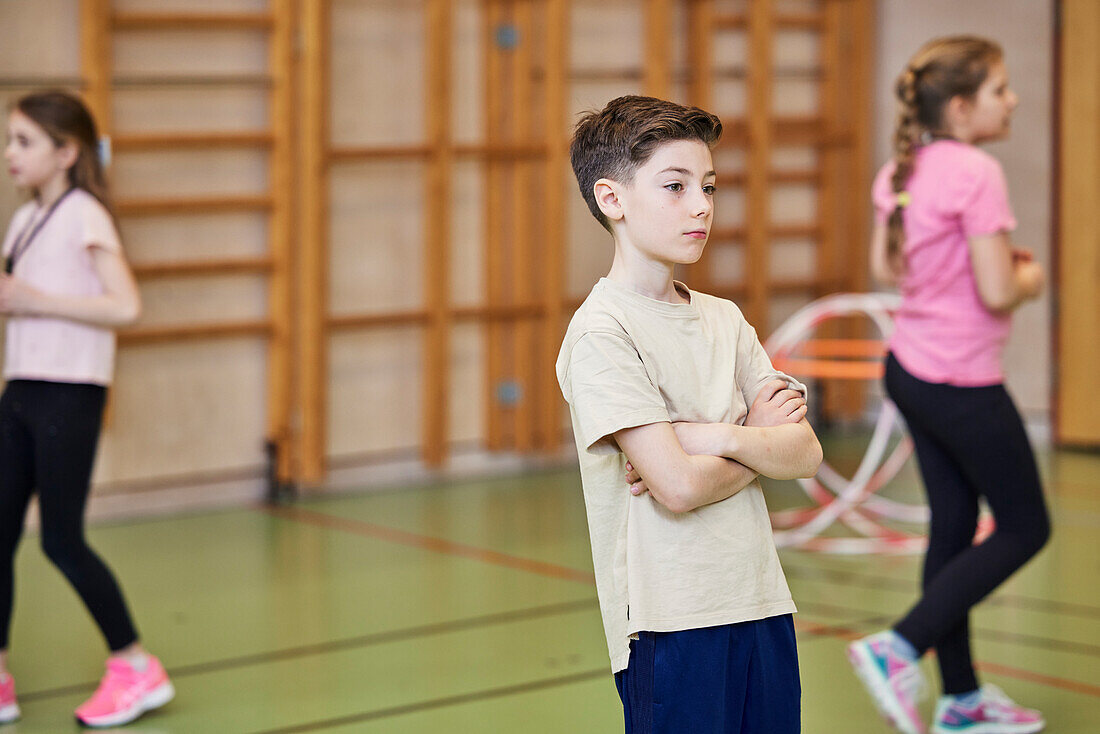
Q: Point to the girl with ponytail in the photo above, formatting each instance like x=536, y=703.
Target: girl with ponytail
x=66, y=286
x=942, y=235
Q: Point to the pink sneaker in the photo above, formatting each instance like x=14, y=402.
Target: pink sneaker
x=994, y=713
x=895, y=683
x=9, y=709
x=125, y=694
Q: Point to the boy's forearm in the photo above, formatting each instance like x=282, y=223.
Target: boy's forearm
x=716, y=479
x=789, y=451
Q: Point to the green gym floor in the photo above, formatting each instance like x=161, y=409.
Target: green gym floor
x=470, y=607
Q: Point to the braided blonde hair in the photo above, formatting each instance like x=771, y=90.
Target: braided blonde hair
x=942, y=69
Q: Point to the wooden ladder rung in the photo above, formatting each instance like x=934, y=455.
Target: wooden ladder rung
x=785, y=21
x=154, y=141
x=808, y=130
x=191, y=21
x=218, y=266
x=786, y=286
x=506, y=151
x=776, y=231
x=177, y=332
x=193, y=80
x=739, y=178
x=193, y=205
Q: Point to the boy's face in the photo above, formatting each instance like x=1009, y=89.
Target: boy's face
x=665, y=213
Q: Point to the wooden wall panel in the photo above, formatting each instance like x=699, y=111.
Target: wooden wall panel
x=197, y=108
x=394, y=202
x=40, y=40
x=141, y=54
x=377, y=386
x=142, y=174
x=378, y=77
x=1078, y=421
x=185, y=410
x=165, y=238
x=376, y=223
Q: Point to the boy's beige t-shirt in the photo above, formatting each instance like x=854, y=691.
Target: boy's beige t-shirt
x=628, y=360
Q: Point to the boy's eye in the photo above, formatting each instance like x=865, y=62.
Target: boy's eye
x=709, y=189
x=674, y=187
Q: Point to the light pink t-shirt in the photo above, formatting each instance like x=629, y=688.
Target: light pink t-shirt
x=59, y=261
x=944, y=333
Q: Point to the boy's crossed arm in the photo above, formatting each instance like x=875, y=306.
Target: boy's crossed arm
x=688, y=465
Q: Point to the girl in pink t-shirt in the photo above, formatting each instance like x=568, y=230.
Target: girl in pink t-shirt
x=66, y=285
x=942, y=235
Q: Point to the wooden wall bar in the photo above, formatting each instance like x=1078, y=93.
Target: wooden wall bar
x=312, y=250
x=525, y=197
x=700, y=59
x=556, y=167
x=280, y=225
x=437, y=233
x=759, y=163
x=658, y=48
x=95, y=60
x=494, y=17
x=1077, y=422
x=524, y=234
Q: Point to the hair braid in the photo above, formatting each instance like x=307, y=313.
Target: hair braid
x=941, y=69
x=906, y=136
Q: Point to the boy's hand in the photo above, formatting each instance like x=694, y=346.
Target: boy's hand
x=775, y=405
x=635, y=481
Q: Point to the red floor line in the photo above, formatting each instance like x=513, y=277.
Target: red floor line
x=1049, y=680
x=551, y=570
x=427, y=542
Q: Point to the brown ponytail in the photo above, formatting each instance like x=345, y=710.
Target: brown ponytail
x=942, y=69
x=65, y=119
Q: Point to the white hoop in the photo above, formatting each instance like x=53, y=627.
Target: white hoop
x=853, y=502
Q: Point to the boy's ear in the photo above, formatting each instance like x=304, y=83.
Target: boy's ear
x=607, y=198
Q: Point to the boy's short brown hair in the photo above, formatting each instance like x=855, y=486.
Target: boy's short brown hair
x=615, y=141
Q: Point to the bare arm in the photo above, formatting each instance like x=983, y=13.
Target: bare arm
x=119, y=305
x=679, y=481
x=775, y=405
x=788, y=451
x=880, y=262
x=1006, y=277
x=775, y=441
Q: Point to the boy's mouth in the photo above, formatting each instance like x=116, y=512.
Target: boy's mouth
x=697, y=233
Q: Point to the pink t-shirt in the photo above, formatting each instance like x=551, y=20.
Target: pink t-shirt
x=59, y=261
x=944, y=333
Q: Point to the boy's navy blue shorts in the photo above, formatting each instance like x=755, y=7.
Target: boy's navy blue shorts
x=732, y=679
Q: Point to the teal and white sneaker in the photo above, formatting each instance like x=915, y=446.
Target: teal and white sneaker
x=894, y=681
x=993, y=713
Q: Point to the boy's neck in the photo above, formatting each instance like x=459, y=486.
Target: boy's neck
x=650, y=278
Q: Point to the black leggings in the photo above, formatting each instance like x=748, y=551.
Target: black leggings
x=970, y=443
x=48, y=437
